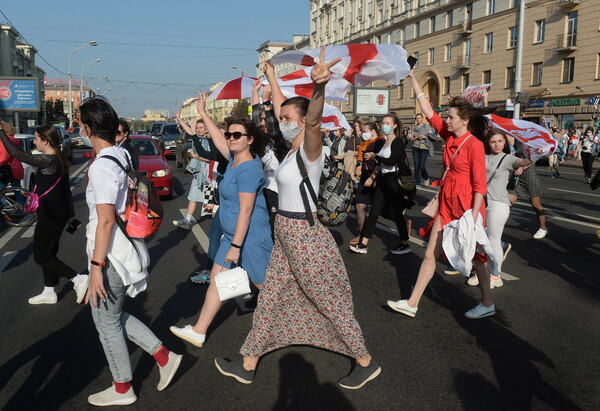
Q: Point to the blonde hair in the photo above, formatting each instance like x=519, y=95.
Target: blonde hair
x=8, y=128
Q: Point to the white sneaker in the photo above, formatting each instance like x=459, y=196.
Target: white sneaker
x=167, y=372
x=495, y=282
x=481, y=312
x=44, y=299
x=182, y=224
x=473, y=280
x=539, y=234
x=451, y=271
x=110, y=396
x=188, y=334
x=402, y=307
x=426, y=183
x=81, y=288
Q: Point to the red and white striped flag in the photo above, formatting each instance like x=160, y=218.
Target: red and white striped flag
x=235, y=89
x=361, y=64
x=333, y=118
x=299, y=83
x=539, y=140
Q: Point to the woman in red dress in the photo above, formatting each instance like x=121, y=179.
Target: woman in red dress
x=463, y=188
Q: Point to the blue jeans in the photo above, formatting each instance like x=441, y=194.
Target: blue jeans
x=113, y=324
x=419, y=158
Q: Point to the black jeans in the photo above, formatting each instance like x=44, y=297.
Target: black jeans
x=387, y=193
x=587, y=162
x=52, y=218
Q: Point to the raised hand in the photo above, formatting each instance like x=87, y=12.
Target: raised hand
x=266, y=92
x=320, y=72
x=201, y=102
x=256, y=85
x=269, y=69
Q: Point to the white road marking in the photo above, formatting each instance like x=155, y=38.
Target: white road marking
x=8, y=236
x=84, y=165
x=198, y=232
x=575, y=192
x=6, y=259
x=29, y=232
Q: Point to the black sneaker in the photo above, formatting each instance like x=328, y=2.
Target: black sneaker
x=359, y=248
x=360, y=376
x=401, y=249
x=236, y=370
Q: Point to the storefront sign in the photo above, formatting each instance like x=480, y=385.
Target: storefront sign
x=565, y=102
x=19, y=94
x=535, y=103
x=594, y=100
x=371, y=101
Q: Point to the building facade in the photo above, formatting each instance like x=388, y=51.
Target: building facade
x=58, y=90
x=469, y=42
x=17, y=59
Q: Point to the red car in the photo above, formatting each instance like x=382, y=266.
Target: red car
x=152, y=160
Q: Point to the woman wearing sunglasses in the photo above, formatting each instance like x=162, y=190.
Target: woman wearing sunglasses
x=243, y=214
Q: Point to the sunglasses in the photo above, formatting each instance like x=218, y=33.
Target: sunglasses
x=236, y=135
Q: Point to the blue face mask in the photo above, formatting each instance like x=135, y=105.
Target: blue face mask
x=386, y=129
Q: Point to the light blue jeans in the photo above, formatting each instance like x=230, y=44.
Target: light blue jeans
x=113, y=324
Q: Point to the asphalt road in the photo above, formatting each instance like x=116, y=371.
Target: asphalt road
x=538, y=352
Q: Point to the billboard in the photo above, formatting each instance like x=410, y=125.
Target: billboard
x=19, y=94
x=371, y=101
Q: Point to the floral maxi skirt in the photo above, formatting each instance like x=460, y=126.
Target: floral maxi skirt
x=306, y=298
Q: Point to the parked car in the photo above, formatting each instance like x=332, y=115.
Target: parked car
x=182, y=147
x=152, y=160
x=76, y=139
x=169, y=134
x=26, y=144
x=65, y=140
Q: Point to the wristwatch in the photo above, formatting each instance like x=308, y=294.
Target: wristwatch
x=267, y=103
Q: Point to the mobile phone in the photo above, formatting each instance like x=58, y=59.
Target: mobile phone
x=75, y=224
x=411, y=61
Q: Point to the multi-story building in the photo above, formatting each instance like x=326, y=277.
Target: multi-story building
x=58, y=89
x=17, y=59
x=155, y=115
x=271, y=48
x=218, y=110
x=468, y=42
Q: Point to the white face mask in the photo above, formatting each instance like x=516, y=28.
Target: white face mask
x=589, y=133
x=290, y=130
x=366, y=136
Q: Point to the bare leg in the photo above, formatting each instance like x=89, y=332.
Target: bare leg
x=364, y=362
x=536, y=203
x=250, y=363
x=191, y=208
x=211, y=305
x=427, y=270
x=483, y=276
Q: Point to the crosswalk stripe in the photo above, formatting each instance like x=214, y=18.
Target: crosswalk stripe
x=29, y=232
x=8, y=236
x=198, y=233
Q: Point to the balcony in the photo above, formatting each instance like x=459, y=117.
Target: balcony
x=567, y=3
x=463, y=62
x=467, y=28
x=566, y=42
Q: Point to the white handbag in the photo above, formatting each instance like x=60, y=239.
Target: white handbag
x=232, y=283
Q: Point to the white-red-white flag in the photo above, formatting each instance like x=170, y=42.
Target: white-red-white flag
x=299, y=83
x=333, y=118
x=235, y=89
x=361, y=64
x=540, y=141
x=474, y=94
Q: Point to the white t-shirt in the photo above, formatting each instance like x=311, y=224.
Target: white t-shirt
x=270, y=164
x=288, y=179
x=386, y=152
x=107, y=181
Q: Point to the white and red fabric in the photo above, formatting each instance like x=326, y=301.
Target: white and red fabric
x=333, y=118
x=235, y=89
x=541, y=142
x=361, y=64
x=474, y=94
x=299, y=83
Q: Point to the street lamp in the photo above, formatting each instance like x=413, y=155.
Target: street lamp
x=81, y=79
x=237, y=68
x=105, y=91
x=98, y=79
x=92, y=43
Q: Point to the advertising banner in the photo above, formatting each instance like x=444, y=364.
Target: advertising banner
x=371, y=101
x=19, y=94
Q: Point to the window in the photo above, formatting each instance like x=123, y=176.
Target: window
x=431, y=56
x=448, y=52
x=416, y=55
x=568, y=70
x=432, y=24
x=446, y=85
x=487, y=76
x=510, y=77
x=469, y=12
x=449, y=19
x=572, y=29
x=536, y=78
x=401, y=91
x=467, y=51
x=540, y=31
x=490, y=7
x=513, y=33
x=403, y=36
x=417, y=29
x=488, y=42
x=465, y=81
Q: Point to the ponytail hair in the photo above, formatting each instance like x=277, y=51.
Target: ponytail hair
x=478, y=124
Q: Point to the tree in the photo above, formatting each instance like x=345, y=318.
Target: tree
x=240, y=110
x=54, y=110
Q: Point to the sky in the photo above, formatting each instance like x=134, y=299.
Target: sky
x=155, y=54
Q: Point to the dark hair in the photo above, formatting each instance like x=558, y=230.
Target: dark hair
x=100, y=117
x=419, y=114
x=50, y=134
x=494, y=131
x=301, y=104
x=374, y=126
x=397, y=122
x=199, y=121
x=478, y=124
x=125, y=126
x=260, y=140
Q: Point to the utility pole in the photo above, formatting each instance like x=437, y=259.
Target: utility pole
x=519, y=63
